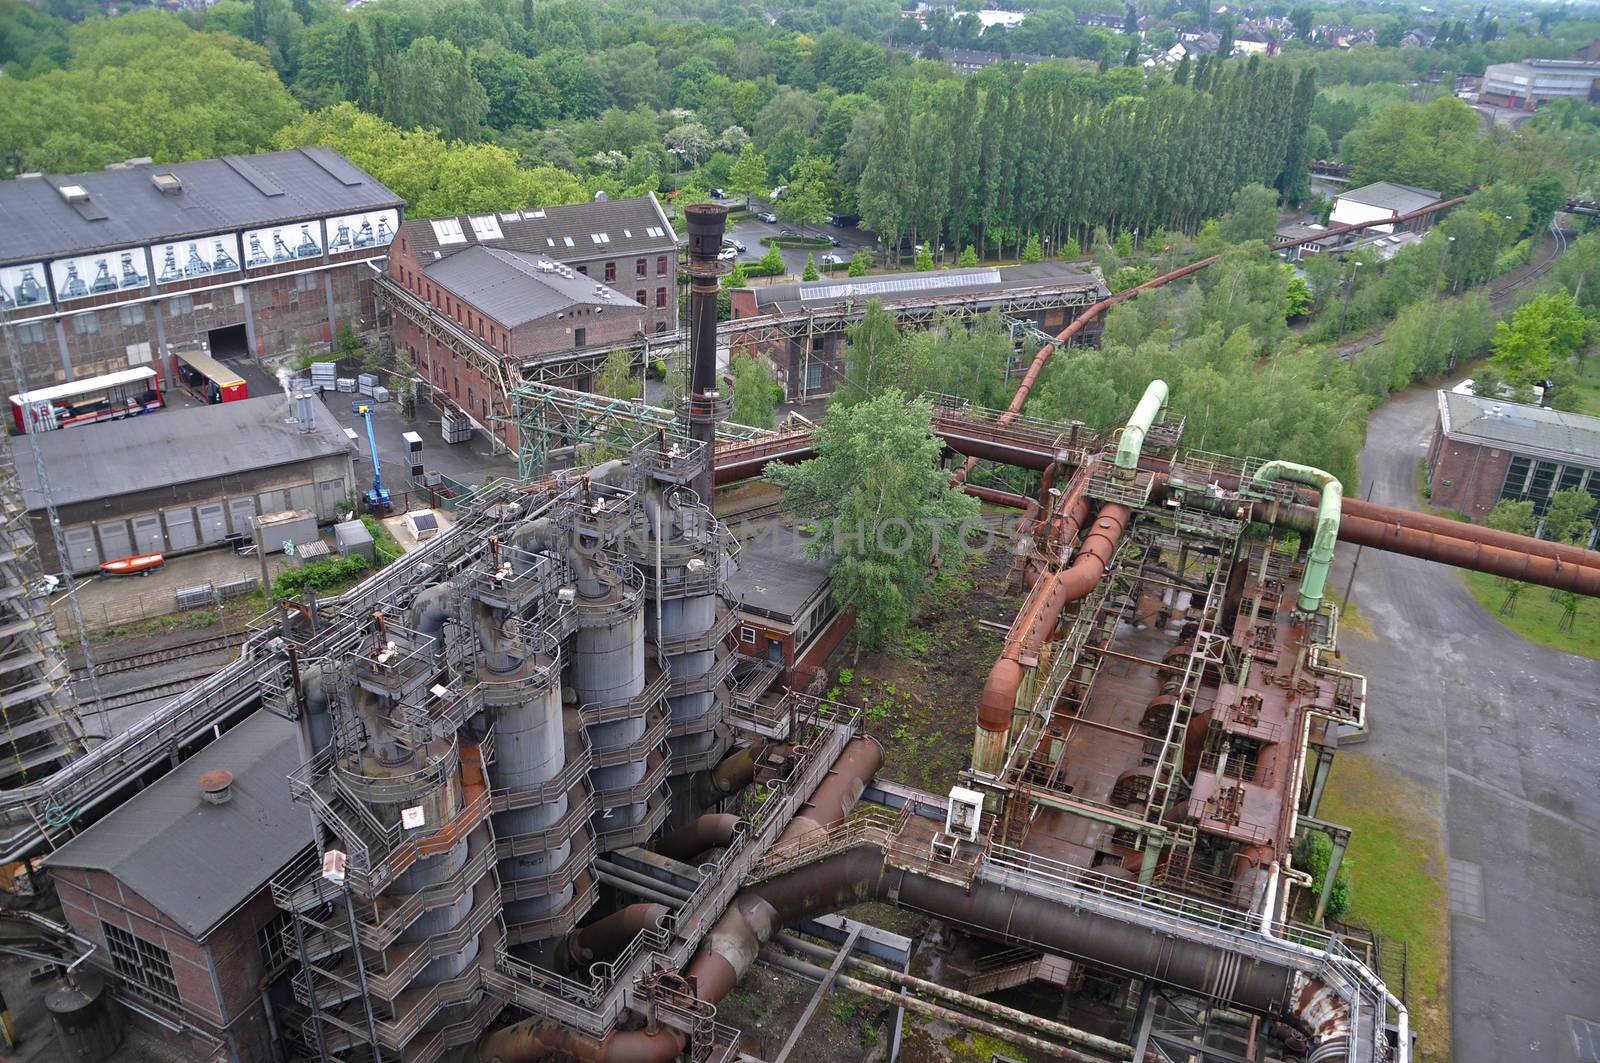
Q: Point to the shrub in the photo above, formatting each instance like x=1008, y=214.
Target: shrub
x=861, y=263
x=320, y=575
x=1031, y=251
x=810, y=272
x=968, y=257
x=924, y=259
x=771, y=264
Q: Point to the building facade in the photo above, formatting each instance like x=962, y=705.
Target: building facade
x=252, y=255
x=1485, y=451
x=483, y=302
x=1530, y=84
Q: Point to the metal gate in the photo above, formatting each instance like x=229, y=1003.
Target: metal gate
x=213, y=523
x=147, y=537
x=330, y=499
x=180, y=529
x=82, y=553
x=240, y=512
x=114, y=539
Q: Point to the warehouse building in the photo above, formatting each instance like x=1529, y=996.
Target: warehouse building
x=249, y=255
x=486, y=301
x=172, y=887
x=176, y=482
x=1488, y=450
x=803, y=328
x=1532, y=83
x=1380, y=200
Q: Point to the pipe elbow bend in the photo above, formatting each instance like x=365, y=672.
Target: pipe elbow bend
x=999, y=696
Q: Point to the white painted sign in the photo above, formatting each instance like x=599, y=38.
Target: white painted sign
x=203, y=256
x=102, y=274
x=282, y=243
x=412, y=818
x=357, y=232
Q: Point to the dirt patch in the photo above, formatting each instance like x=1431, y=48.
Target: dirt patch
x=847, y=1027
x=920, y=695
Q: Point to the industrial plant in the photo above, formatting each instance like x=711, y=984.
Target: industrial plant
x=520, y=794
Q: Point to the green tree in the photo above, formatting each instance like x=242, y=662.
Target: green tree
x=1514, y=517
x=860, y=263
x=755, y=395
x=809, y=273
x=1031, y=251
x=1297, y=295
x=808, y=199
x=924, y=258
x=873, y=356
x=968, y=257
x=1254, y=215
x=432, y=87
x=1566, y=518
x=355, y=67
x=1579, y=271
x=748, y=177
x=616, y=377
x=1542, y=334
x=884, y=507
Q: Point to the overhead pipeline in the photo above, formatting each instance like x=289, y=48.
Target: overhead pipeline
x=1130, y=444
x=1327, y=532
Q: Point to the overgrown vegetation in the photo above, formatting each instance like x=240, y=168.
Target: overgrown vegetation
x=331, y=574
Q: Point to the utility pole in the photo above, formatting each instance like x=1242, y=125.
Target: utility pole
x=1349, y=275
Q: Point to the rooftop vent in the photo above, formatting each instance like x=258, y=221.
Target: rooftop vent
x=74, y=193
x=216, y=787
x=169, y=184
x=600, y=197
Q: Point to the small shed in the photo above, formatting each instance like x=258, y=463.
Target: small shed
x=352, y=537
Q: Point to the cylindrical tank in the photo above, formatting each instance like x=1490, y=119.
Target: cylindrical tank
x=87, y=1025
x=531, y=750
x=420, y=876
x=608, y=669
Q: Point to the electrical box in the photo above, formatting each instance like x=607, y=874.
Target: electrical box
x=413, y=444
x=962, y=816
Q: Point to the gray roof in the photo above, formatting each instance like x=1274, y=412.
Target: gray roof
x=773, y=577
x=514, y=287
x=233, y=192
x=195, y=861
x=158, y=450
x=1532, y=430
x=625, y=224
x=891, y=288
x=1390, y=195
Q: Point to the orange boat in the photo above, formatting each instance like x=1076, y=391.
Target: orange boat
x=137, y=565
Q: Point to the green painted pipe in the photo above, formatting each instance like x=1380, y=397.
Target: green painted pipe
x=1327, y=522
x=1131, y=442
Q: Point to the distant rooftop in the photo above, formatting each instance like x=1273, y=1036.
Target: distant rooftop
x=1391, y=195
x=196, y=861
x=142, y=202
x=1533, y=430
x=773, y=577
x=572, y=231
x=891, y=288
x=515, y=287
x=173, y=447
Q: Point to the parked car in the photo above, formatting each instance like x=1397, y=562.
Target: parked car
x=727, y=254
x=831, y=259
x=834, y=240
x=737, y=245
x=787, y=232
x=768, y=217
x=719, y=193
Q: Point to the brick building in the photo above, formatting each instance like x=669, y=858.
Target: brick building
x=173, y=888
x=1487, y=450
x=485, y=301
x=243, y=254
x=803, y=328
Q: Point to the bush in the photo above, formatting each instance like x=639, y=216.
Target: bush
x=861, y=263
x=924, y=259
x=1071, y=249
x=771, y=264
x=968, y=257
x=1312, y=853
x=1031, y=251
x=810, y=272
x=321, y=575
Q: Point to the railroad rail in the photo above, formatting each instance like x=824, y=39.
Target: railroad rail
x=165, y=655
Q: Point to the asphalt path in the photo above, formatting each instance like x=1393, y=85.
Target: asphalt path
x=1508, y=734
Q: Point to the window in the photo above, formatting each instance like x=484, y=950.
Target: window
x=86, y=324
x=270, y=938
x=640, y=296
x=661, y=297
x=305, y=282
x=583, y=270
x=611, y=272
x=661, y=266
x=661, y=326
x=147, y=968
x=813, y=375
x=580, y=336
x=747, y=634
x=138, y=353
x=32, y=332
x=641, y=267
x=179, y=305
x=132, y=315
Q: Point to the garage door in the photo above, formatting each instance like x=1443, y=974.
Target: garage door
x=81, y=549
x=147, y=537
x=180, y=529
x=330, y=499
x=240, y=510
x=272, y=502
x=114, y=539
x=213, y=523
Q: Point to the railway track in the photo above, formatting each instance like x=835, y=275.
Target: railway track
x=167, y=688
x=1496, y=295
x=167, y=655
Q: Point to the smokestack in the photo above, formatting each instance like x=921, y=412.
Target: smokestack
x=707, y=222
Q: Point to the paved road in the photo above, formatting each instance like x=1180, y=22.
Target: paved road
x=751, y=230
x=1509, y=735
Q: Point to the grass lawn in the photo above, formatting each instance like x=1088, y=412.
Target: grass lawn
x=1398, y=874
x=1587, y=387
x=1537, y=615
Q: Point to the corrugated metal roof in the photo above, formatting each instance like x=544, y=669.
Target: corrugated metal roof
x=513, y=287
x=1390, y=195
x=96, y=461
x=891, y=288
x=218, y=195
x=197, y=862
x=629, y=226
x=1518, y=427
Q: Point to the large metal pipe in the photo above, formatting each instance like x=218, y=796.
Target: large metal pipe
x=1327, y=533
x=710, y=831
x=707, y=222
x=604, y=938
x=1130, y=444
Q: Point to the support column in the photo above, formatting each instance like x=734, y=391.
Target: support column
x=1341, y=839
x=1319, y=779
x=333, y=323
x=163, y=352
x=1152, y=857
x=66, y=353
x=250, y=321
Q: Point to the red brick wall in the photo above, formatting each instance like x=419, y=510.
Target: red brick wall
x=1465, y=477
x=89, y=898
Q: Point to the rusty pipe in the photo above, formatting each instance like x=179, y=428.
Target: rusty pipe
x=1478, y=533
x=1464, y=552
x=710, y=831
x=604, y=938
x=838, y=793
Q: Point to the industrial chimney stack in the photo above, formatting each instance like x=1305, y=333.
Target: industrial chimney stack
x=707, y=222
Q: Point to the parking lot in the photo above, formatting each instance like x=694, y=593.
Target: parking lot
x=750, y=231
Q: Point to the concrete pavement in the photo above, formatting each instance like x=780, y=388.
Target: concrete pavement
x=1508, y=733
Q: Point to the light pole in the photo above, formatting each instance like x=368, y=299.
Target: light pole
x=1349, y=276
x=1499, y=239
